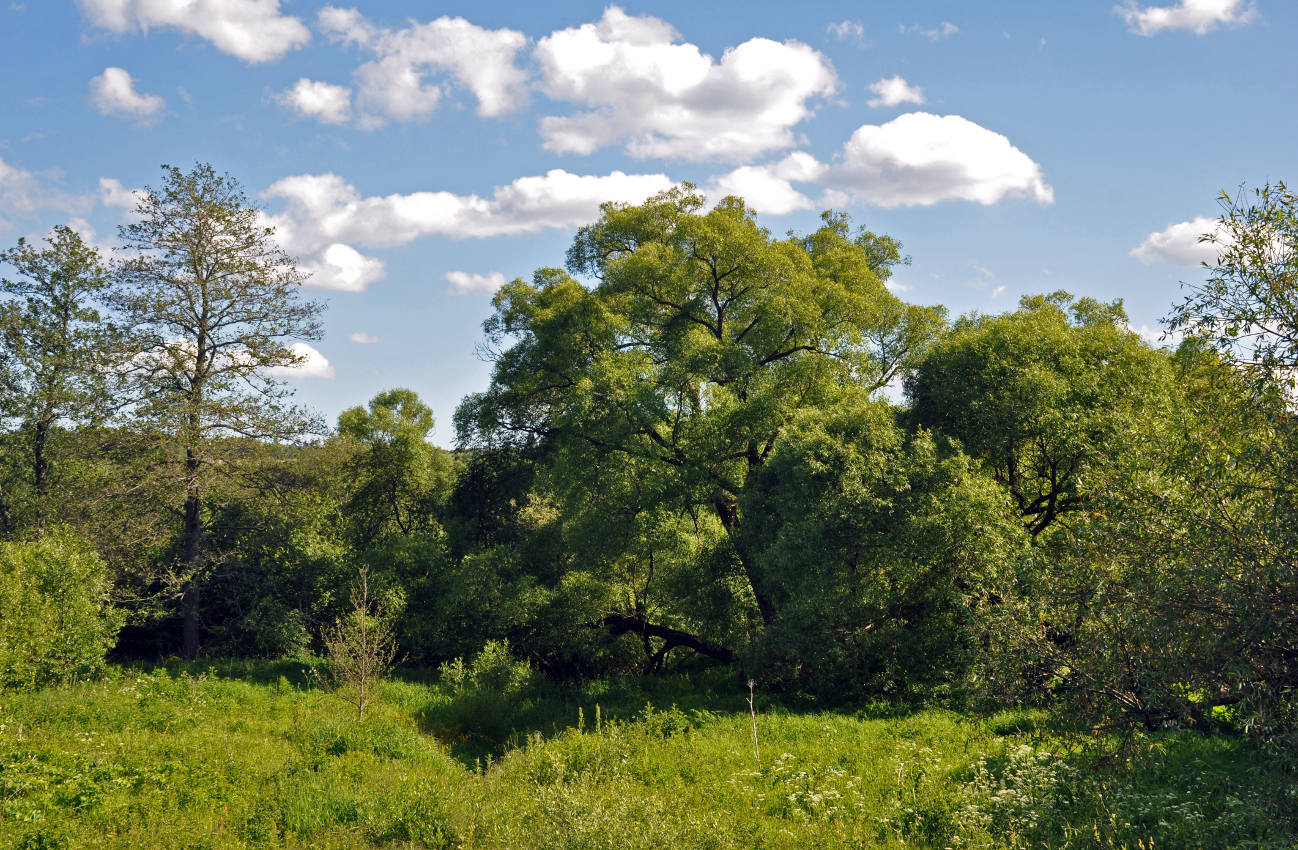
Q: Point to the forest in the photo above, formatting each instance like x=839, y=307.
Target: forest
x=737, y=548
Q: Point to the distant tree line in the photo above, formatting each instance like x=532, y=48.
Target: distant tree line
x=687, y=454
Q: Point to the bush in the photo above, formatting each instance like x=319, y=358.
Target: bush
x=56, y=621
x=489, y=695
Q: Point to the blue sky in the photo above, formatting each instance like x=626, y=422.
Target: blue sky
x=414, y=154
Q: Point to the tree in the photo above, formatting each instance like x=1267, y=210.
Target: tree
x=1037, y=395
x=702, y=336
x=1248, y=306
x=58, y=348
x=878, y=546
x=360, y=648
x=399, y=478
x=217, y=303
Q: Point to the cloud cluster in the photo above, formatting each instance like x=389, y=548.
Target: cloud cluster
x=113, y=93
x=1198, y=16
x=1180, y=244
x=915, y=159
x=403, y=82
x=323, y=216
x=894, y=91
x=253, y=30
x=661, y=97
x=24, y=193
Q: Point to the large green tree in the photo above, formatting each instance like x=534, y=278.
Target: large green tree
x=217, y=303
x=700, y=336
x=1039, y=395
x=58, y=347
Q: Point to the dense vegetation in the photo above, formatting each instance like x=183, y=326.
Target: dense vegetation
x=687, y=473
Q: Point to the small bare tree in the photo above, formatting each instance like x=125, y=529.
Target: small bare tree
x=360, y=648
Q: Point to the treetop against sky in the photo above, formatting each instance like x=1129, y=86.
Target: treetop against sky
x=415, y=157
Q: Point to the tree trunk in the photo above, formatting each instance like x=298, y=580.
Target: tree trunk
x=40, y=470
x=728, y=510
x=193, y=533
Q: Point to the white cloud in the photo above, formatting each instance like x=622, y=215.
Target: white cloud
x=363, y=338
x=253, y=30
x=946, y=29
x=998, y=291
x=23, y=193
x=1158, y=337
x=663, y=98
x=324, y=215
x=464, y=283
x=1198, y=16
x=314, y=99
x=1180, y=244
x=113, y=93
x=893, y=91
x=847, y=30
x=395, y=85
x=918, y=159
x=343, y=268
x=313, y=364
x=769, y=188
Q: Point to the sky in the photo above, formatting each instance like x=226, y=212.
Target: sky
x=414, y=155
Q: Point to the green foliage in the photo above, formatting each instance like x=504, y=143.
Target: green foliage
x=56, y=620
x=702, y=338
x=878, y=547
x=1040, y=396
x=1248, y=306
x=487, y=696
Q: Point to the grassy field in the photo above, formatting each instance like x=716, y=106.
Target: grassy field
x=238, y=755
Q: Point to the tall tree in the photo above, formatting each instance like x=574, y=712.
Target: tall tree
x=219, y=304
x=702, y=336
x=59, y=350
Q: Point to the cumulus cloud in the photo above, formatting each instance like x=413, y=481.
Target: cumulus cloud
x=401, y=82
x=464, y=283
x=664, y=98
x=323, y=216
x=918, y=159
x=769, y=188
x=325, y=102
x=343, y=268
x=113, y=93
x=1180, y=244
x=312, y=364
x=915, y=159
x=893, y=91
x=1198, y=16
x=363, y=338
x=252, y=30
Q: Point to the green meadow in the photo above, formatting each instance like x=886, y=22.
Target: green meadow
x=253, y=755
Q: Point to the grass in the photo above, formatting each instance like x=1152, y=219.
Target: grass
x=249, y=755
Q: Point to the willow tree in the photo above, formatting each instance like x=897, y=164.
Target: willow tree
x=218, y=307
x=701, y=336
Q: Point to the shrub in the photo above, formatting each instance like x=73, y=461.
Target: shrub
x=56, y=620
x=488, y=695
